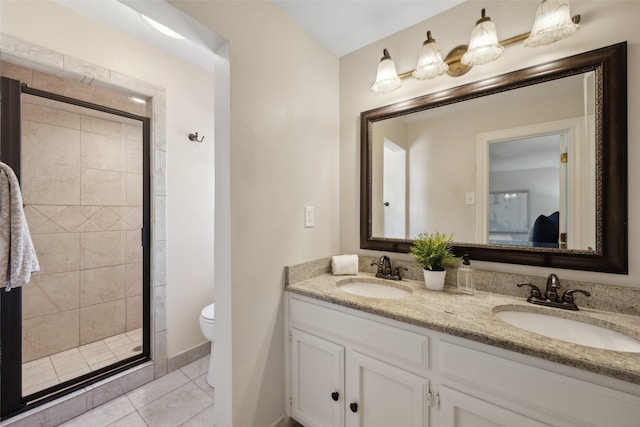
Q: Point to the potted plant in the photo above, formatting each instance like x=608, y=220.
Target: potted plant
x=434, y=253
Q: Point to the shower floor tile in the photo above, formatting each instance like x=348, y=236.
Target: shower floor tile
x=56, y=368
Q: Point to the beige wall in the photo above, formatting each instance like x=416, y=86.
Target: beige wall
x=190, y=174
x=284, y=156
x=603, y=24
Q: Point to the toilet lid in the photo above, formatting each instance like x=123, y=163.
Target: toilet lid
x=208, y=312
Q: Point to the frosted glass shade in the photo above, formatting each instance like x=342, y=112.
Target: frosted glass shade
x=387, y=78
x=553, y=22
x=430, y=63
x=483, y=45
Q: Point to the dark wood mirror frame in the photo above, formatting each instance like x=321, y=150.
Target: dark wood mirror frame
x=610, y=66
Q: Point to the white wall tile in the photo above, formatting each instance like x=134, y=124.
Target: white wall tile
x=50, y=293
x=103, y=126
x=33, y=111
x=103, y=152
x=99, y=187
x=45, y=335
x=57, y=252
x=93, y=327
x=46, y=184
x=102, y=249
x=98, y=285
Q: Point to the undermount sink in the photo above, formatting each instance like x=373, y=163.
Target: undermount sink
x=374, y=288
x=573, y=331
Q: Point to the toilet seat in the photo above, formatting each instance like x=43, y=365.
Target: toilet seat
x=208, y=314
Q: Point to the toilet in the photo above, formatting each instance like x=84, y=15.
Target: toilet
x=208, y=326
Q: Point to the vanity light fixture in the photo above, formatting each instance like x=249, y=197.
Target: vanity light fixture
x=553, y=22
x=161, y=28
x=483, y=44
x=387, y=79
x=430, y=63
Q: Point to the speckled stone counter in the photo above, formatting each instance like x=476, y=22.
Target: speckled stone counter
x=472, y=317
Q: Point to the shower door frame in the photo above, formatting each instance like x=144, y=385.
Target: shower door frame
x=12, y=402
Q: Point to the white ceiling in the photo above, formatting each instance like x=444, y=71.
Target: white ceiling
x=342, y=26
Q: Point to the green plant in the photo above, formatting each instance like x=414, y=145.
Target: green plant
x=433, y=251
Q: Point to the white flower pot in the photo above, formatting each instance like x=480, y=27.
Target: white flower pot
x=434, y=280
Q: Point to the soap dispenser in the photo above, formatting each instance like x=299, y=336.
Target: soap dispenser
x=466, y=284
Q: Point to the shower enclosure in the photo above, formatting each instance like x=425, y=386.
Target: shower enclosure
x=84, y=174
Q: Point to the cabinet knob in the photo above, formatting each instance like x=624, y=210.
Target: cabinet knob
x=335, y=396
x=354, y=407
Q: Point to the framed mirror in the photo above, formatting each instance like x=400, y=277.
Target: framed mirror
x=529, y=167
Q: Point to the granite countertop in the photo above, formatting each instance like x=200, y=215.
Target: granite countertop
x=472, y=317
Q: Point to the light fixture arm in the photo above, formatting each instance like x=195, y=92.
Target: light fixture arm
x=457, y=69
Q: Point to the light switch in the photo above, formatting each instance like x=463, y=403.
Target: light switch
x=470, y=198
x=308, y=216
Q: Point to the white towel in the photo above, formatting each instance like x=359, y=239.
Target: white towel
x=344, y=264
x=17, y=255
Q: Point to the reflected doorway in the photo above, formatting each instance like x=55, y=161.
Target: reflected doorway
x=394, y=190
x=536, y=186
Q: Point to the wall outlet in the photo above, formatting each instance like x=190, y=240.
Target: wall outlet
x=470, y=198
x=308, y=216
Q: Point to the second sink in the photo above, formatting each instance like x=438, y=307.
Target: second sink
x=574, y=331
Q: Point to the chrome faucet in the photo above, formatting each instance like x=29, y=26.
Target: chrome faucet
x=551, y=297
x=385, y=271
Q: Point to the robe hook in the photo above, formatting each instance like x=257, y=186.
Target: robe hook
x=194, y=137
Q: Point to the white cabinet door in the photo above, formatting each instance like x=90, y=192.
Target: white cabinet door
x=317, y=380
x=382, y=395
x=462, y=410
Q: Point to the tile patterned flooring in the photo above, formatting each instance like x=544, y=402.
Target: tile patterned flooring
x=51, y=370
x=181, y=398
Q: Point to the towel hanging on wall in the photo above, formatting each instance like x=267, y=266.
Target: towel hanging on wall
x=17, y=255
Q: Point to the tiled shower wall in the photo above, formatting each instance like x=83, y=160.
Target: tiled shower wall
x=88, y=82
x=82, y=190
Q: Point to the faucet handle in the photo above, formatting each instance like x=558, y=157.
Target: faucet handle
x=535, y=291
x=568, y=295
x=396, y=271
x=379, y=265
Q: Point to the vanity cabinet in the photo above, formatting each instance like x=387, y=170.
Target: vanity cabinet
x=463, y=410
x=317, y=380
x=380, y=394
x=404, y=375
x=372, y=393
x=504, y=387
x=353, y=372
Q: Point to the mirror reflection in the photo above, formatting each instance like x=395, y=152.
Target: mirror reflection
x=443, y=152
x=514, y=168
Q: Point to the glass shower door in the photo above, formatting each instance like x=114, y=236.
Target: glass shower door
x=85, y=185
